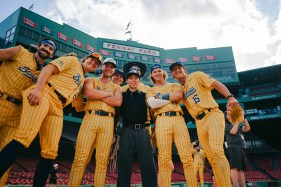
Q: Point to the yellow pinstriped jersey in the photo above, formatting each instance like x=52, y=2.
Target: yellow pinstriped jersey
x=97, y=104
x=199, y=157
x=141, y=87
x=18, y=73
x=165, y=89
x=70, y=79
x=197, y=93
x=79, y=100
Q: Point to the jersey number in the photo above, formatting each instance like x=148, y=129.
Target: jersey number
x=196, y=99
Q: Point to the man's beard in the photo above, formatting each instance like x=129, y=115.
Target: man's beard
x=43, y=56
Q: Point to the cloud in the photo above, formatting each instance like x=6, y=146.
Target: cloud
x=180, y=24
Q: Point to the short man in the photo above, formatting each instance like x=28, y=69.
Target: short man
x=209, y=119
x=19, y=70
x=58, y=84
x=118, y=77
x=199, y=160
x=135, y=136
x=96, y=130
x=54, y=175
x=165, y=98
x=235, y=145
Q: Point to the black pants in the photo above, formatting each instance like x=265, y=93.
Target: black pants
x=130, y=141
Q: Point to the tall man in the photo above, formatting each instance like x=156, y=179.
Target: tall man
x=209, y=119
x=135, y=136
x=58, y=84
x=97, y=126
x=199, y=160
x=19, y=70
x=165, y=98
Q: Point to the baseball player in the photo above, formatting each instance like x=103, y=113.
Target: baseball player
x=209, y=119
x=58, y=84
x=165, y=98
x=97, y=126
x=199, y=160
x=118, y=77
x=19, y=70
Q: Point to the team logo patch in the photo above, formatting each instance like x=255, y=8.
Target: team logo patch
x=26, y=72
x=191, y=91
x=60, y=62
x=77, y=79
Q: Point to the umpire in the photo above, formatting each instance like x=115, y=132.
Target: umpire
x=134, y=133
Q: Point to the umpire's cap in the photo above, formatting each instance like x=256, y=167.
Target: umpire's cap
x=96, y=56
x=175, y=64
x=133, y=72
x=141, y=68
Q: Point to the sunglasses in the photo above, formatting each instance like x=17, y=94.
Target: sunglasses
x=135, y=69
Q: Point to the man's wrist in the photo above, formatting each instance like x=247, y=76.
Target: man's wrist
x=229, y=96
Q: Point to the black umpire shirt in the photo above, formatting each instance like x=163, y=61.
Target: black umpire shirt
x=133, y=108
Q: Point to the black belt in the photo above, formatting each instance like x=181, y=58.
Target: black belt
x=101, y=113
x=11, y=99
x=170, y=114
x=61, y=98
x=203, y=114
x=136, y=126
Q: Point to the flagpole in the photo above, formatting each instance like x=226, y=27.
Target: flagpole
x=131, y=30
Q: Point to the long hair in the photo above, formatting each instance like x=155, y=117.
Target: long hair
x=165, y=76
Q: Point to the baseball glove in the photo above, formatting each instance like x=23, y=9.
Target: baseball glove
x=236, y=115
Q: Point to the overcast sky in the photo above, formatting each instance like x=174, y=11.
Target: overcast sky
x=251, y=27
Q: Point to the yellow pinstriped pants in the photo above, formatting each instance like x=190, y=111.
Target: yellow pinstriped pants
x=210, y=132
x=168, y=129
x=45, y=118
x=94, y=131
x=200, y=169
x=9, y=121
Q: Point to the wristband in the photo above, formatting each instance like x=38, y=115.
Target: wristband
x=229, y=96
x=166, y=97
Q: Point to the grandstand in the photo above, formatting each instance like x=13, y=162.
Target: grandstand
x=258, y=91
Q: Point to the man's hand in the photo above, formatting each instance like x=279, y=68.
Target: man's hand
x=34, y=97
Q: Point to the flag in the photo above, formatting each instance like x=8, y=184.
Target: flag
x=209, y=57
x=128, y=25
x=104, y=52
x=196, y=58
x=181, y=59
x=31, y=7
x=117, y=54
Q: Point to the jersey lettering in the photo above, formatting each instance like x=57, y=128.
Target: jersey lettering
x=196, y=99
x=189, y=92
x=26, y=72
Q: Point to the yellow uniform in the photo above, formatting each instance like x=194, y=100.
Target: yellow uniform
x=47, y=117
x=210, y=123
x=16, y=74
x=170, y=125
x=199, y=163
x=96, y=131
